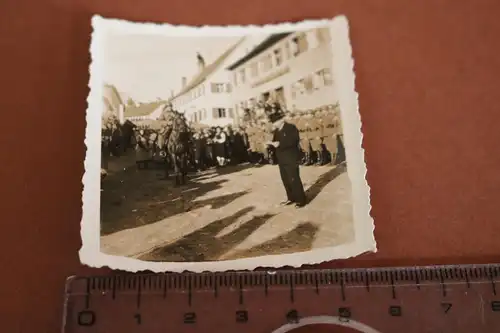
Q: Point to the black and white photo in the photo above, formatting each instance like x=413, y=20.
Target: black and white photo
x=222, y=148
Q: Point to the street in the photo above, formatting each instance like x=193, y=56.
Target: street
x=223, y=214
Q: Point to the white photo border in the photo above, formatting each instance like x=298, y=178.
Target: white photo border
x=343, y=74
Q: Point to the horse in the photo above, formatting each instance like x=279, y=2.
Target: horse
x=174, y=141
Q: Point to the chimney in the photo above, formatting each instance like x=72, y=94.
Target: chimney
x=184, y=82
x=121, y=113
x=201, y=62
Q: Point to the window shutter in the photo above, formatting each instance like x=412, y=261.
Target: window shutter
x=231, y=113
x=214, y=113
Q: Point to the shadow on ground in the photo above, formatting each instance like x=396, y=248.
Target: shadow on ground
x=316, y=188
x=131, y=199
x=204, y=245
x=216, y=172
x=299, y=239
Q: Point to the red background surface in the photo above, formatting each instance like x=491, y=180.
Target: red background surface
x=427, y=73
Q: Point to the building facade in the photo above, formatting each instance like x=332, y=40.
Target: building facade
x=206, y=98
x=145, y=111
x=293, y=68
x=112, y=102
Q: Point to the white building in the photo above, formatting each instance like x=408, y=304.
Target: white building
x=295, y=68
x=113, y=103
x=144, y=111
x=206, y=98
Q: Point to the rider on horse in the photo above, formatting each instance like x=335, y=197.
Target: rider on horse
x=174, y=140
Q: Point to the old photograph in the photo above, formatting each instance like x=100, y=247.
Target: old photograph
x=223, y=148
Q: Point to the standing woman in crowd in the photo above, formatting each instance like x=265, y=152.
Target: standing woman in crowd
x=209, y=148
x=229, y=143
x=200, y=143
x=220, y=146
x=142, y=149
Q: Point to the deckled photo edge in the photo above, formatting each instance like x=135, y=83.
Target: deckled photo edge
x=351, y=117
x=90, y=253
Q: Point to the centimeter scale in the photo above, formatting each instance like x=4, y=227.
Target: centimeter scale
x=437, y=299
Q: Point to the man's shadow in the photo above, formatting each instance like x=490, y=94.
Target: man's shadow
x=204, y=243
x=320, y=183
x=299, y=239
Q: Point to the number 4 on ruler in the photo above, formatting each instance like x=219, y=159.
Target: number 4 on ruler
x=446, y=307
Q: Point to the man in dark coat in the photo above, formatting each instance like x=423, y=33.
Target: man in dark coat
x=286, y=143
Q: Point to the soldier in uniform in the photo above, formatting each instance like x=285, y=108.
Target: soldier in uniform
x=341, y=157
x=315, y=137
x=321, y=129
x=330, y=135
x=251, y=144
x=305, y=145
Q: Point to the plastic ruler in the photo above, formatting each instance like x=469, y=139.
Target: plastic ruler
x=437, y=299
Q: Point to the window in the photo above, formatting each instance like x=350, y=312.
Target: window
x=242, y=76
x=323, y=35
x=235, y=79
x=278, y=57
x=219, y=113
x=299, y=44
x=294, y=90
x=254, y=69
x=288, y=52
x=325, y=77
x=267, y=63
x=301, y=87
x=218, y=87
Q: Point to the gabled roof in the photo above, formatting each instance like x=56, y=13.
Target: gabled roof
x=261, y=47
x=143, y=109
x=115, y=98
x=207, y=71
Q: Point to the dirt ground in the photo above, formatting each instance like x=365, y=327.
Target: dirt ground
x=222, y=214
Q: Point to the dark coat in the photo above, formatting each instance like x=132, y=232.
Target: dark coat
x=288, y=151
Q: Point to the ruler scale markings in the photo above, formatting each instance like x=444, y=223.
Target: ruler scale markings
x=316, y=282
x=190, y=295
x=393, y=287
x=163, y=283
x=482, y=279
x=240, y=290
x=216, y=286
x=466, y=274
x=493, y=286
x=87, y=295
x=139, y=294
x=342, y=289
x=113, y=287
x=443, y=285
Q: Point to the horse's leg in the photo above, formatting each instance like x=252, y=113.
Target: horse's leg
x=184, y=167
x=175, y=164
x=165, y=167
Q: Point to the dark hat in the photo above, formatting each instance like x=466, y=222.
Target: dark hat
x=275, y=116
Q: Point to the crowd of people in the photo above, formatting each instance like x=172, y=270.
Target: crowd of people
x=320, y=129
